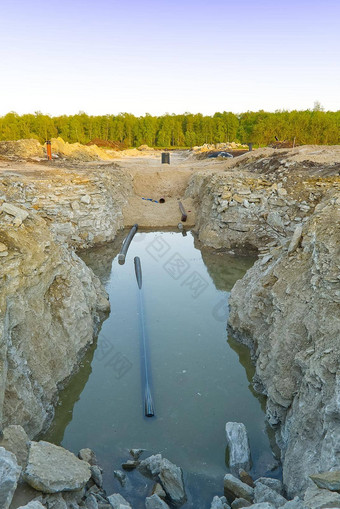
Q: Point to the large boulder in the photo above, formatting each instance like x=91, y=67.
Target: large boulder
x=238, y=444
x=9, y=475
x=52, y=469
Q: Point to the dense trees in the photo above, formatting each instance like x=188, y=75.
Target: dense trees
x=311, y=126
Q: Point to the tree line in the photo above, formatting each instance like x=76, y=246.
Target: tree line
x=171, y=130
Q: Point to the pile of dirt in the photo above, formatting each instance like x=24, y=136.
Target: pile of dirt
x=114, y=145
x=78, y=152
x=21, y=149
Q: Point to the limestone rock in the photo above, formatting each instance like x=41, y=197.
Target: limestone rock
x=274, y=484
x=86, y=199
x=158, y=490
x=217, y=503
x=237, y=488
x=246, y=478
x=239, y=503
x=15, y=440
x=118, y=502
x=9, y=475
x=327, y=480
x=171, y=478
x=54, y=501
x=151, y=466
x=316, y=498
x=262, y=505
x=12, y=210
x=263, y=493
x=296, y=503
x=295, y=239
x=239, y=451
x=96, y=475
x=155, y=502
x=52, y=469
x=34, y=504
x=88, y=455
x=91, y=502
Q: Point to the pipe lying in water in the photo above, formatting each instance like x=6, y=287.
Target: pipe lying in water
x=126, y=243
x=182, y=209
x=148, y=403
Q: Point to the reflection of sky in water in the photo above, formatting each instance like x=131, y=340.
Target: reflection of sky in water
x=199, y=380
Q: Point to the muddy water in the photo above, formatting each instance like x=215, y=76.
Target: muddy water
x=200, y=377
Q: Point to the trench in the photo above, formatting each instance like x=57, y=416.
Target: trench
x=201, y=378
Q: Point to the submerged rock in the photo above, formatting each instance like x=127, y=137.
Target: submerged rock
x=151, y=466
x=155, y=502
x=171, y=478
x=9, y=475
x=136, y=453
x=120, y=476
x=238, y=444
x=51, y=469
x=237, y=489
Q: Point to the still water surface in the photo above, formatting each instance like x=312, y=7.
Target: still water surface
x=200, y=377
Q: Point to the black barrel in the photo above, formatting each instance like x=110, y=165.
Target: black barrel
x=165, y=158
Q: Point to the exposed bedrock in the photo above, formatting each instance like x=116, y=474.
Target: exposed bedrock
x=287, y=309
x=51, y=305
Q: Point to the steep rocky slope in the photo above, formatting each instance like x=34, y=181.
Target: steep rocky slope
x=287, y=309
x=50, y=308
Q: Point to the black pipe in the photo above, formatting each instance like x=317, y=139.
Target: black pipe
x=184, y=214
x=148, y=403
x=126, y=243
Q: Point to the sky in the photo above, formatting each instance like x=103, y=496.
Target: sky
x=168, y=56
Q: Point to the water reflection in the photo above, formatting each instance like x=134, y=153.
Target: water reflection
x=201, y=380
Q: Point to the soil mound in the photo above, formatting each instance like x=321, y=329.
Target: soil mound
x=21, y=148
x=78, y=152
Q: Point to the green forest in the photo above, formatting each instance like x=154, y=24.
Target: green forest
x=171, y=130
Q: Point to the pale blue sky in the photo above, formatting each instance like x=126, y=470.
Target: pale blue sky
x=168, y=56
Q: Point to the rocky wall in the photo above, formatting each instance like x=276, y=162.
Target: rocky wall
x=287, y=309
x=51, y=306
